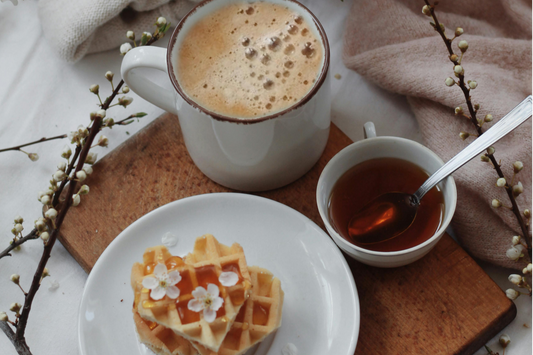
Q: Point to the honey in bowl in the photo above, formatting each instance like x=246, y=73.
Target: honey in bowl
x=366, y=181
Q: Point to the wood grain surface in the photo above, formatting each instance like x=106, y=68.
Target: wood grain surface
x=441, y=304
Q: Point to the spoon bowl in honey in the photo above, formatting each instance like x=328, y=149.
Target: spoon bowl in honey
x=391, y=214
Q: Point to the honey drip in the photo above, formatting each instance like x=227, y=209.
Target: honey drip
x=185, y=285
x=237, y=297
x=206, y=275
x=173, y=262
x=260, y=316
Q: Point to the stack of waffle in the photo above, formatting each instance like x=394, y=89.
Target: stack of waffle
x=250, y=311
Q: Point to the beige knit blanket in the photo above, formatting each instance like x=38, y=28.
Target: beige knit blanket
x=392, y=43
x=79, y=27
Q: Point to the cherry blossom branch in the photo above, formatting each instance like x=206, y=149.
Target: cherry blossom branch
x=44, y=139
x=429, y=10
x=16, y=242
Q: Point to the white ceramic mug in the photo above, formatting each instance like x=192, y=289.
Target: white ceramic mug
x=244, y=154
x=380, y=147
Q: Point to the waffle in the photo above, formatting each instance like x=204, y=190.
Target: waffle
x=248, y=329
x=259, y=317
x=208, y=260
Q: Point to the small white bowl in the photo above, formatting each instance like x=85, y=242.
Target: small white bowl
x=381, y=147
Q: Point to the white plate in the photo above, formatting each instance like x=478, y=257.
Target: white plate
x=321, y=306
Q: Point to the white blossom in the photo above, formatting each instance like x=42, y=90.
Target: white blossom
x=459, y=31
x=40, y=224
x=3, y=317
x=103, y=141
x=161, y=21
x=162, y=283
x=515, y=279
x=18, y=228
x=45, y=236
x=46, y=200
x=501, y=182
x=512, y=294
x=76, y=200
x=109, y=75
x=33, y=156
x=19, y=219
x=504, y=340
x=67, y=152
x=84, y=190
x=59, y=175
x=94, y=89
x=51, y=213
x=518, y=166
x=15, y=278
x=514, y=252
x=491, y=150
x=62, y=166
x=125, y=101
x=125, y=48
x=458, y=69
x=518, y=189
x=81, y=175
x=488, y=118
x=91, y=158
x=449, y=81
x=101, y=113
x=228, y=279
x=516, y=240
x=88, y=169
x=463, y=45
x=125, y=89
x=472, y=84
x=207, y=301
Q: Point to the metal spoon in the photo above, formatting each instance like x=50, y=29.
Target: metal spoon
x=390, y=214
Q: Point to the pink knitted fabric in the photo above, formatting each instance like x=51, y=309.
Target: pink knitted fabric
x=392, y=43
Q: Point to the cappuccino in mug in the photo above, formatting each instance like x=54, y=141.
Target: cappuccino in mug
x=249, y=60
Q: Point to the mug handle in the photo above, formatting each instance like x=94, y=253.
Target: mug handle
x=148, y=57
x=369, y=130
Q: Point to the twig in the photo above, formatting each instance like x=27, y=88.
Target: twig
x=21, y=347
x=473, y=119
x=44, y=139
x=20, y=241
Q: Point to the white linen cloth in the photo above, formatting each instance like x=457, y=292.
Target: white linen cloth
x=41, y=95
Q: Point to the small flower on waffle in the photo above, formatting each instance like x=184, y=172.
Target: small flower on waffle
x=228, y=279
x=207, y=301
x=163, y=283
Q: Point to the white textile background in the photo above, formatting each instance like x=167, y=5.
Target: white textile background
x=42, y=96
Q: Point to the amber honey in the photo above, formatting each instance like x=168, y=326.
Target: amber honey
x=372, y=178
x=186, y=315
x=260, y=315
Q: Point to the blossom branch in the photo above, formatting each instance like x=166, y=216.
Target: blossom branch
x=17, y=242
x=44, y=139
x=429, y=10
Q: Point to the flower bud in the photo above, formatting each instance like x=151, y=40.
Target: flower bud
x=488, y=118
x=15, y=307
x=476, y=107
x=458, y=110
x=88, y=169
x=76, y=200
x=518, y=166
x=491, y=150
x=3, y=317
x=92, y=115
x=527, y=213
x=449, y=81
x=95, y=89
x=14, y=231
x=485, y=158
x=46, y=200
x=100, y=113
x=91, y=158
x=504, y=340
x=66, y=153
x=59, y=175
x=512, y=294
x=130, y=35
x=148, y=35
x=125, y=48
x=515, y=279
x=109, y=75
x=463, y=45
x=426, y=10
x=125, y=101
x=514, y=253
x=125, y=89
x=45, y=236
x=15, y=278
x=516, y=240
x=529, y=267
x=18, y=228
x=84, y=190
x=45, y=273
x=81, y=175
x=33, y=156
x=501, y=182
x=161, y=21
x=51, y=213
x=518, y=189
x=458, y=69
x=464, y=135
x=109, y=122
x=103, y=141
x=472, y=84
x=458, y=31
x=40, y=225
x=496, y=203
x=454, y=58
x=62, y=166
x=18, y=219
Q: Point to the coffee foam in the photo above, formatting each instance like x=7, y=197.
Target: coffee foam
x=249, y=60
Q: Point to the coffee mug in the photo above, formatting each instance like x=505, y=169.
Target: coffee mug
x=373, y=147
x=243, y=154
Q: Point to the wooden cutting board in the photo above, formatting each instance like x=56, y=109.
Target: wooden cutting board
x=442, y=304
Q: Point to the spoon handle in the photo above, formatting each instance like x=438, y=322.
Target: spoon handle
x=513, y=119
